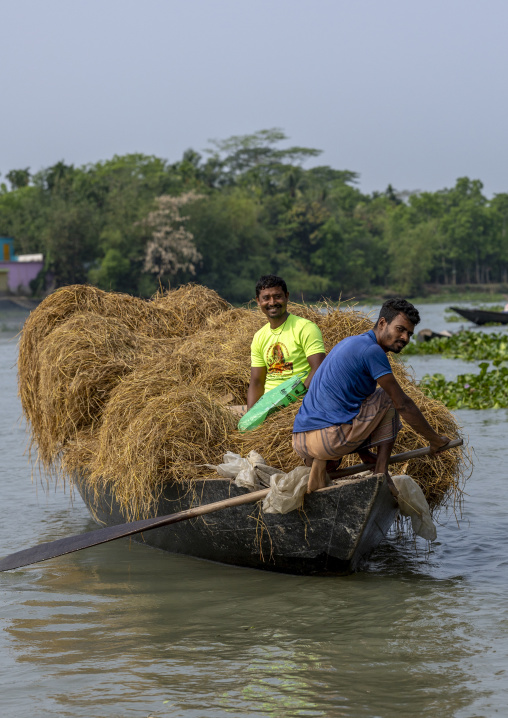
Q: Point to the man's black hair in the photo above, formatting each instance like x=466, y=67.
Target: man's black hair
x=268, y=281
x=392, y=307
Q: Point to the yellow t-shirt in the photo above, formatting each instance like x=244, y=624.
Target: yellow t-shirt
x=284, y=351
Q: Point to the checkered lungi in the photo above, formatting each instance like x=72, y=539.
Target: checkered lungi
x=376, y=423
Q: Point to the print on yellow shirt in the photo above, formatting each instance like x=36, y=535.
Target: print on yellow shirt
x=276, y=359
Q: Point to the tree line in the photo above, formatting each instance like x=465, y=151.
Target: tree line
x=247, y=207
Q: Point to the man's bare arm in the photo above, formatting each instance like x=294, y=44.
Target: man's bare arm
x=410, y=412
x=256, y=386
x=314, y=361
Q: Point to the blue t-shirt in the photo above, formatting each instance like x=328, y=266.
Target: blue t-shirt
x=342, y=382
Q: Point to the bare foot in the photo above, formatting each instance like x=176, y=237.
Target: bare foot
x=317, y=476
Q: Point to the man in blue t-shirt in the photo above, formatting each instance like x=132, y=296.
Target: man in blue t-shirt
x=343, y=411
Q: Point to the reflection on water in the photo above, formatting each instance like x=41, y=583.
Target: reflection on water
x=130, y=624
x=121, y=628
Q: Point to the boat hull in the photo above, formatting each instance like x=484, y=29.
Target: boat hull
x=482, y=316
x=334, y=533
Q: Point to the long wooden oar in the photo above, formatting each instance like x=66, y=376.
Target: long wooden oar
x=52, y=549
x=396, y=459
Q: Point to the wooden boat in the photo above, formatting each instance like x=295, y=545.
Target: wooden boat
x=482, y=316
x=334, y=533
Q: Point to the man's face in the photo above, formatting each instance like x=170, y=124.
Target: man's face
x=394, y=336
x=273, y=302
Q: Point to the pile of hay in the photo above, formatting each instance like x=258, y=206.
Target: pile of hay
x=83, y=359
x=81, y=341
x=134, y=392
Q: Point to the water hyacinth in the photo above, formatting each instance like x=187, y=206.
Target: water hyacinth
x=467, y=345
x=486, y=390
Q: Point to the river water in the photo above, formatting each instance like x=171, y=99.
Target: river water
x=125, y=630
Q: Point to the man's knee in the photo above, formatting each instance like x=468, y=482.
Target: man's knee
x=309, y=453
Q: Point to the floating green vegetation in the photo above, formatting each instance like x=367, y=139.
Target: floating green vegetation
x=466, y=345
x=486, y=390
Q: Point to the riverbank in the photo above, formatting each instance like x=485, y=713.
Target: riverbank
x=437, y=294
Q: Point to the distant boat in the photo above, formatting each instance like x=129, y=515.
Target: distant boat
x=482, y=316
x=425, y=335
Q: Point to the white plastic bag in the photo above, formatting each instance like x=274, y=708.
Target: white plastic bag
x=241, y=470
x=412, y=503
x=286, y=491
x=247, y=478
x=231, y=466
x=254, y=458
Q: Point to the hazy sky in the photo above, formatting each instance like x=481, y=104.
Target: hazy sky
x=407, y=92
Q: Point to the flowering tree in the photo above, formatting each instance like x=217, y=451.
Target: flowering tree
x=171, y=249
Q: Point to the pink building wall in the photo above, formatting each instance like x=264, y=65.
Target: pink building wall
x=21, y=274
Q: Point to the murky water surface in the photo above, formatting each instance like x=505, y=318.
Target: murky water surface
x=125, y=630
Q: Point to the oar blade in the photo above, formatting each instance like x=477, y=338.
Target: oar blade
x=60, y=547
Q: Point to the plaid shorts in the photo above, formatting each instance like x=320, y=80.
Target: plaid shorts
x=376, y=423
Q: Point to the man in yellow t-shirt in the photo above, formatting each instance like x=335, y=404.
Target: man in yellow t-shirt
x=286, y=346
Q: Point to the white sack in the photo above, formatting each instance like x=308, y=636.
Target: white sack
x=241, y=470
x=254, y=458
x=286, y=491
x=247, y=478
x=231, y=466
x=412, y=503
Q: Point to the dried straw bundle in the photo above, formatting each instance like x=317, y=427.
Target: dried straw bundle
x=218, y=358
x=55, y=309
x=337, y=324
x=79, y=365
x=166, y=434
x=189, y=307
x=175, y=313
x=79, y=451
